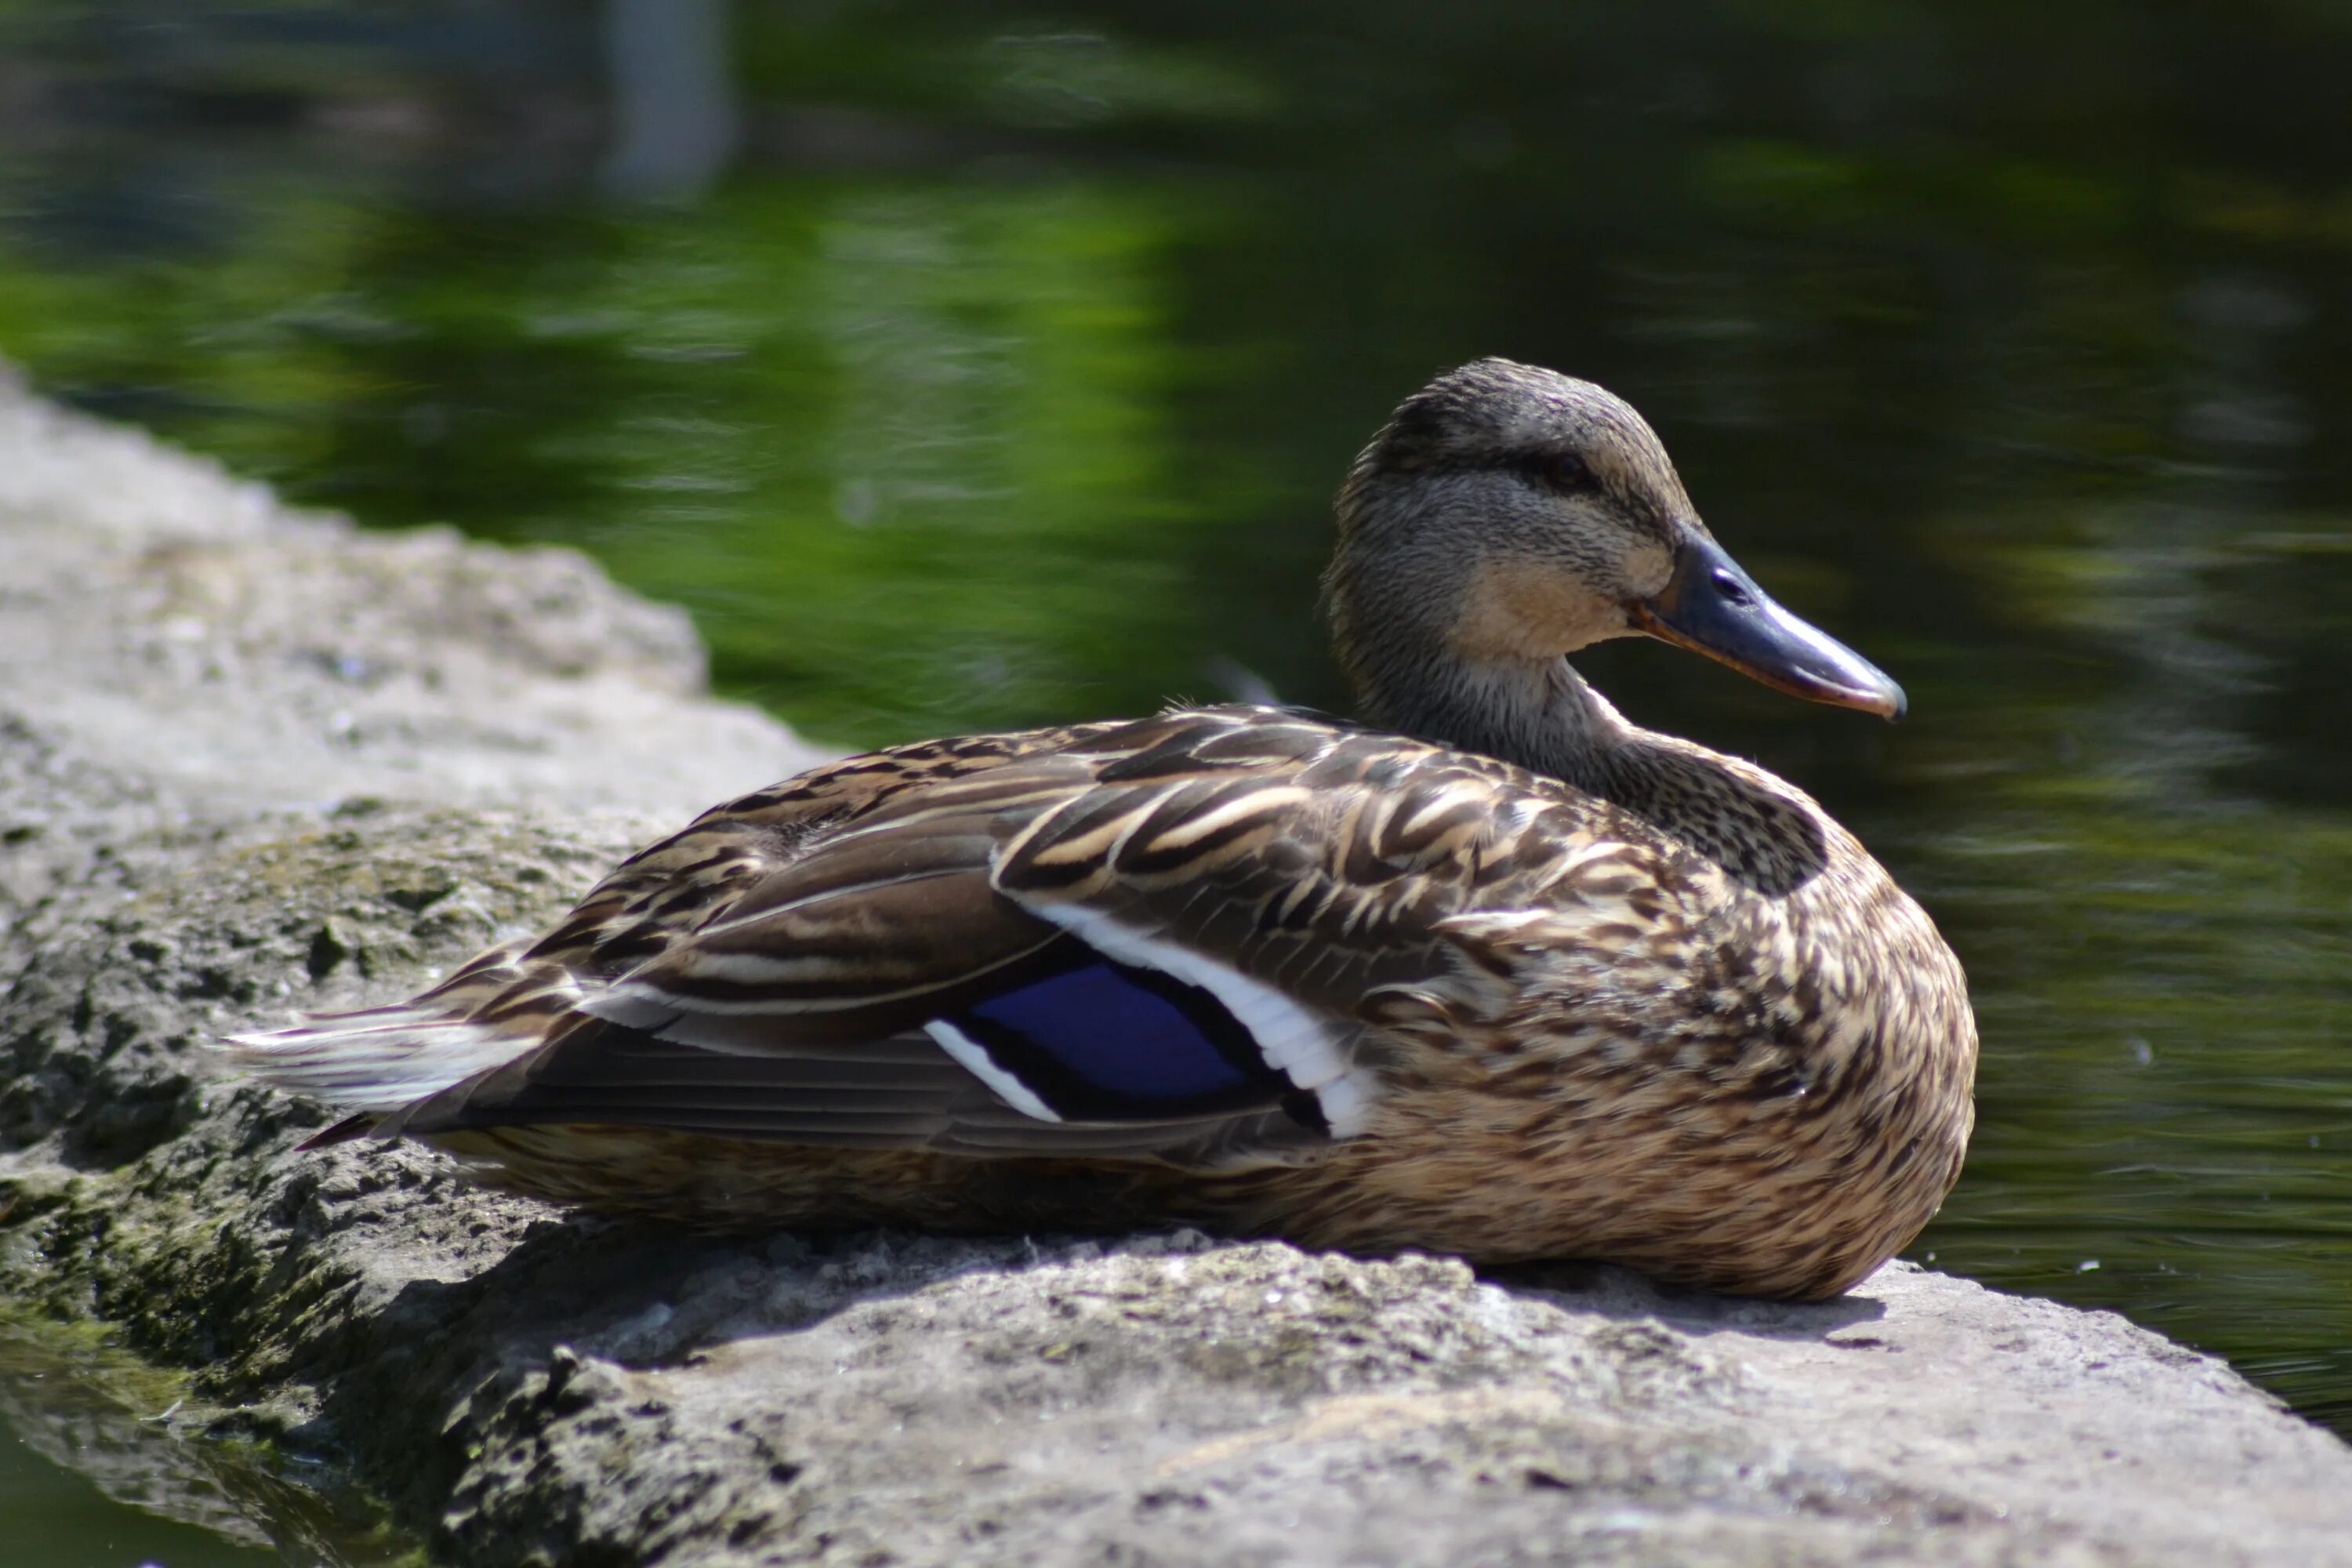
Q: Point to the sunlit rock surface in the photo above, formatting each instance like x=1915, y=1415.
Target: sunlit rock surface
x=253, y=762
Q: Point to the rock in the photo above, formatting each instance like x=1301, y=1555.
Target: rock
x=253, y=762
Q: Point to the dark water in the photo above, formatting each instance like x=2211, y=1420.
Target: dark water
x=961, y=373
x=96, y=1472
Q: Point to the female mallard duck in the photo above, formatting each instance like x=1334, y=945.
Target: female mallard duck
x=1532, y=982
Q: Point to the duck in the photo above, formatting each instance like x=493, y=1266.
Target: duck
x=1487, y=970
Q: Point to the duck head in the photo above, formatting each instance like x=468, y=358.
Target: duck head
x=1506, y=516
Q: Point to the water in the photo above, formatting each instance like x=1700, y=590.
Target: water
x=95, y=1471
x=1003, y=376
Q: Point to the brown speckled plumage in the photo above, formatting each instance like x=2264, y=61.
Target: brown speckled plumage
x=1616, y=997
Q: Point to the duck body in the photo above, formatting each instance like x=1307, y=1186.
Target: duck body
x=1562, y=1026
x=1241, y=967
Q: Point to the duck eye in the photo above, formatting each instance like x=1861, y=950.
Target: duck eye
x=1566, y=470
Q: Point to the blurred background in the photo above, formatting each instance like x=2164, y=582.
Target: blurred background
x=963, y=366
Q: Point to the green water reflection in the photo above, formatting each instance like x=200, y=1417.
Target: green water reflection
x=96, y=1472
x=1004, y=376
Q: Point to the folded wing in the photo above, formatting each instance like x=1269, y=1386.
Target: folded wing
x=1162, y=940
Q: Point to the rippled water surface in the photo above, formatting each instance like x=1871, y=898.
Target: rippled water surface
x=961, y=376
x=97, y=1471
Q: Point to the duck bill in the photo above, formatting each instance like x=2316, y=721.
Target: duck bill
x=1711, y=606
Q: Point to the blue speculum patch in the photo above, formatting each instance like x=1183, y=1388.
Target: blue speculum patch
x=1109, y=1041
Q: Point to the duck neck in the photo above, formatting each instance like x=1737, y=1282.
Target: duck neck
x=1537, y=714
x=1433, y=642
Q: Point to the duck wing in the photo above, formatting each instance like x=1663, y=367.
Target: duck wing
x=1166, y=940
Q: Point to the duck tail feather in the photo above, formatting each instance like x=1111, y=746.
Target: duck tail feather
x=374, y=1063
